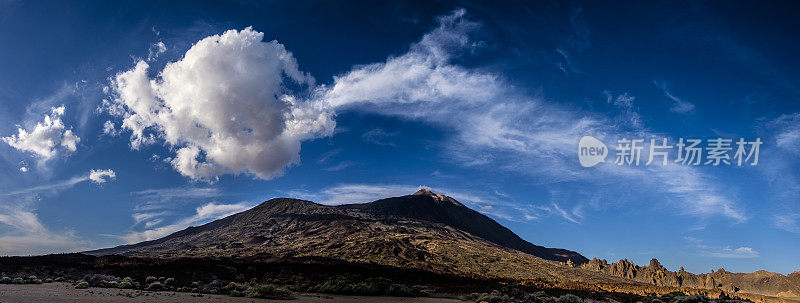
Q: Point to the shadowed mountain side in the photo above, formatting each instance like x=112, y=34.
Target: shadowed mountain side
x=428, y=206
x=760, y=282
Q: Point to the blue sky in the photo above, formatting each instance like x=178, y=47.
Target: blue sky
x=123, y=122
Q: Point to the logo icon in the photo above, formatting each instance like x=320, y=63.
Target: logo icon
x=591, y=151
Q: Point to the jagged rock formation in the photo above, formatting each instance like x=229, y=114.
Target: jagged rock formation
x=760, y=282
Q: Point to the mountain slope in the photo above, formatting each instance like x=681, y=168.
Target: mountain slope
x=428, y=206
x=425, y=231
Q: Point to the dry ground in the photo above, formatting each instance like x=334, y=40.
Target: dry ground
x=65, y=292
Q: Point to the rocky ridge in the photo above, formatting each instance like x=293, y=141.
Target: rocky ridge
x=760, y=282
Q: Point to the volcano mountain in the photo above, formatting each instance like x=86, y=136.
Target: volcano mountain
x=424, y=230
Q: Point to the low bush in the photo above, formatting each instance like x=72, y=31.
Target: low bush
x=48, y=280
x=18, y=281
x=494, y=297
x=679, y=297
x=367, y=287
x=569, y=298
x=5, y=280
x=672, y=297
x=125, y=285
x=231, y=286
x=693, y=299
x=236, y=293
x=82, y=285
x=155, y=286
x=109, y=284
x=399, y=290
x=269, y=291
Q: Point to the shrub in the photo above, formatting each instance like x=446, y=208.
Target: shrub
x=5, y=280
x=125, y=285
x=399, y=290
x=679, y=297
x=36, y=281
x=231, y=286
x=183, y=289
x=336, y=285
x=150, y=279
x=127, y=279
x=369, y=287
x=493, y=297
x=169, y=282
x=469, y=297
x=82, y=285
x=155, y=286
x=48, y=280
x=236, y=293
x=18, y=281
x=269, y=291
x=693, y=299
x=59, y=279
x=31, y=278
x=569, y=298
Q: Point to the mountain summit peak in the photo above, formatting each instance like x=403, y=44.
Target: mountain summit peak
x=425, y=191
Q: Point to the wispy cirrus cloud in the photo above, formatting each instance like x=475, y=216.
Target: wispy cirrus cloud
x=96, y=176
x=679, y=105
x=781, y=142
x=202, y=214
x=723, y=252
x=379, y=136
x=178, y=192
x=156, y=206
x=28, y=235
x=788, y=222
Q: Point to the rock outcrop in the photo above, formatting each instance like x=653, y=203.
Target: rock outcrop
x=760, y=282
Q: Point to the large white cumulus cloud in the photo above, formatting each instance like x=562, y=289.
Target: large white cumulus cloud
x=224, y=107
